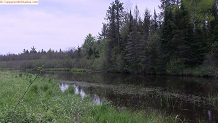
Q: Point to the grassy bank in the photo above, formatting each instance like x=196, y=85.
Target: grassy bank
x=44, y=102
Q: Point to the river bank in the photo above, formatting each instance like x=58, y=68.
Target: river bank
x=44, y=102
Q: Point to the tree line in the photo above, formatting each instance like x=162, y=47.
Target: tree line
x=181, y=38
x=31, y=59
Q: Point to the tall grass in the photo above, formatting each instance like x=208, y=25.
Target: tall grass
x=44, y=102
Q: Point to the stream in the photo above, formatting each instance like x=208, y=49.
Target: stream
x=189, y=98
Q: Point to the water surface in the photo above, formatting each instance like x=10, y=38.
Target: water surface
x=189, y=98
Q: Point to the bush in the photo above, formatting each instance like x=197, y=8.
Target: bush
x=175, y=66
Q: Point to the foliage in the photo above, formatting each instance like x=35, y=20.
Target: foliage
x=199, y=9
x=175, y=66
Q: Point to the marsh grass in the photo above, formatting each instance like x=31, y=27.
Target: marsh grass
x=213, y=100
x=44, y=102
x=106, y=114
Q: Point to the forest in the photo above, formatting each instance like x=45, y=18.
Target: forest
x=180, y=40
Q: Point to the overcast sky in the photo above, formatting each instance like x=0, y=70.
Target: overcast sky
x=56, y=24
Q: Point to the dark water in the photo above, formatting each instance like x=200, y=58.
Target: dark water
x=189, y=98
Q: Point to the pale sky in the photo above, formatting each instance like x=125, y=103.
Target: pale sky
x=56, y=24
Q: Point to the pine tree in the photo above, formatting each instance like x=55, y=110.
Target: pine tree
x=181, y=37
x=166, y=36
x=88, y=46
x=154, y=23
x=114, y=17
x=134, y=50
x=146, y=24
x=33, y=50
x=119, y=14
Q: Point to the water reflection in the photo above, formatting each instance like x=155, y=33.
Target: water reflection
x=76, y=89
x=186, y=97
x=97, y=100
x=187, y=85
x=79, y=91
x=63, y=86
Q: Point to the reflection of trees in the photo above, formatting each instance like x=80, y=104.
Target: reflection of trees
x=63, y=86
x=142, y=92
x=188, y=85
x=191, y=85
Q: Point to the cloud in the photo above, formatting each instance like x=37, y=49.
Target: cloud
x=51, y=24
x=45, y=30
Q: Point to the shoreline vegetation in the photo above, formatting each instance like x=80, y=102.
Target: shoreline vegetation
x=44, y=102
x=197, y=72
x=180, y=40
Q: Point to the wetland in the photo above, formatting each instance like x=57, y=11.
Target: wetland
x=189, y=98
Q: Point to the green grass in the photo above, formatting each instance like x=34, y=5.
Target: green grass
x=44, y=102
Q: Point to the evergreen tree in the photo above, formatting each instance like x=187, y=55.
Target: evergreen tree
x=154, y=22
x=181, y=37
x=146, y=24
x=33, y=50
x=134, y=50
x=114, y=17
x=88, y=46
x=166, y=36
